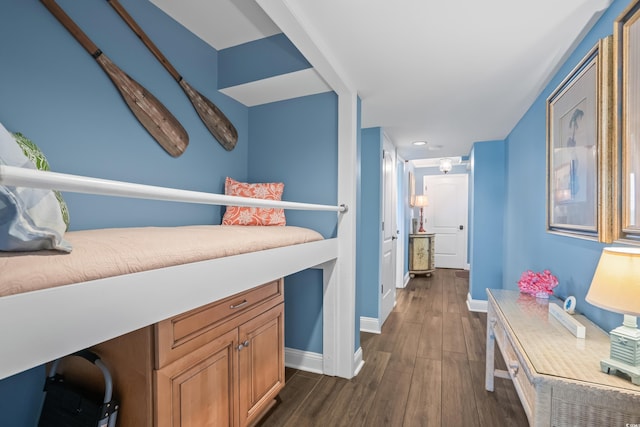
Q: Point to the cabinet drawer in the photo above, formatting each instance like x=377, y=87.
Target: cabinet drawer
x=523, y=385
x=180, y=335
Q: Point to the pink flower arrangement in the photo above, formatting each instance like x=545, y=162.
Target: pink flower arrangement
x=539, y=284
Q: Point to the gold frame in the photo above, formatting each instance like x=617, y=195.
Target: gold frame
x=600, y=56
x=412, y=189
x=628, y=18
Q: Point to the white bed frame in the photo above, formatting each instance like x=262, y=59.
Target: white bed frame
x=40, y=326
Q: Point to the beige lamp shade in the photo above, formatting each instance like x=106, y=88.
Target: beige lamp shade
x=616, y=282
x=421, y=201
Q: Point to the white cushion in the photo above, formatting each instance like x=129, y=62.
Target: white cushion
x=30, y=219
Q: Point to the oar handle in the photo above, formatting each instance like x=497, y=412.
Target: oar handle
x=145, y=39
x=66, y=21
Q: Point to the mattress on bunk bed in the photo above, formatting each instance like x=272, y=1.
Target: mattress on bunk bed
x=116, y=251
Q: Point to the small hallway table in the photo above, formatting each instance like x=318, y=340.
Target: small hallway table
x=556, y=375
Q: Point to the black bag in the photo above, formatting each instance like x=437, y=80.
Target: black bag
x=68, y=406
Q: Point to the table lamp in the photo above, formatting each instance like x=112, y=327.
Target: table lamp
x=421, y=201
x=616, y=287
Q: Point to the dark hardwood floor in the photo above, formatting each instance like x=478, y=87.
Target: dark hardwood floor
x=425, y=369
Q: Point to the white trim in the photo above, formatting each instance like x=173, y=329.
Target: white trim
x=358, y=362
x=294, y=24
x=477, y=305
x=467, y=266
x=370, y=324
x=303, y=360
x=92, y=312
x=278, y=88
x=339, y=302
x=312, y=362
x=23, y=177
x=407, y=277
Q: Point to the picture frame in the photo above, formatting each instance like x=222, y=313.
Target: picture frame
x=627, y=42
x=579, y=158
x=412, y=189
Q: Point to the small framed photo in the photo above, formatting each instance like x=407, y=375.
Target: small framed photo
x=579, y=118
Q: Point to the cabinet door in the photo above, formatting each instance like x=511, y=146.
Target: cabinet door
x=199, y=390
x=261, y=362
x=419, y=253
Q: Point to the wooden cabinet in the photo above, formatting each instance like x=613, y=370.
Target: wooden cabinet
x=219, y=365
x=421, y=254
x=261, y=363
x=198, y=389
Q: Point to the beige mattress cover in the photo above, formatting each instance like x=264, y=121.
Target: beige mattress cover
x=115, y=251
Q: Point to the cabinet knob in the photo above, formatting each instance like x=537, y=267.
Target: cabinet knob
x=514, y=367
x=246, y=343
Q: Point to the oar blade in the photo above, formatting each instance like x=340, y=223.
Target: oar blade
x=213, y=118
x=149, y=111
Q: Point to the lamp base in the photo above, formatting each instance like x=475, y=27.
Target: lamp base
x=624, y=355
x=612, y=367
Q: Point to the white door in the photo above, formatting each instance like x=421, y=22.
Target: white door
x=446, y=216
x=388, y=288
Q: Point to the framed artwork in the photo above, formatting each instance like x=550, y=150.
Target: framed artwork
x=412, y=189
x=627, y=33
x=579, y=121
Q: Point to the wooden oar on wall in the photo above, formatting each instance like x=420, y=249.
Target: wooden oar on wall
x=214, y=119
x=154, y=116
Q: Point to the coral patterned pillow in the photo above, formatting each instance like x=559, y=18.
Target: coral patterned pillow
x=236, y=215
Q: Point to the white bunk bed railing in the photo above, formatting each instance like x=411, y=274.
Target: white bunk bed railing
x=42, y=314
x=23, y=177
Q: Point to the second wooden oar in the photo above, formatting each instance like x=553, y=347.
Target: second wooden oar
x=154, y=116
x=214, y=119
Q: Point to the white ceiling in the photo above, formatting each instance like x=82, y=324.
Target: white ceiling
x=447, y=72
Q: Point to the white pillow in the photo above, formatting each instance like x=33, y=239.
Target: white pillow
x=30, y=218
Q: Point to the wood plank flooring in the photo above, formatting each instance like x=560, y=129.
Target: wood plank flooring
x=425, y=369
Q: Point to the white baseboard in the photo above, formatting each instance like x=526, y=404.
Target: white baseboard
x=407, y=277
x=357, y=361
x=370, y=324
x=303, y=360
x=312, y=362
x=476, y=304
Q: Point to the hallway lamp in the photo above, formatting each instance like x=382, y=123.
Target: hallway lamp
x=616, y=287
x=420, y=202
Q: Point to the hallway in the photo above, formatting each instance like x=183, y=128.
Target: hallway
x=425, y=369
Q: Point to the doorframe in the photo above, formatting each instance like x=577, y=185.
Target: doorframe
x=401, y=183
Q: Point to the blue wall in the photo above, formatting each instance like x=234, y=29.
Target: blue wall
x=486, y=216
x=368, y=268
x=56, y=94
x=296, y=142
x=259, y=59
x=527, y=245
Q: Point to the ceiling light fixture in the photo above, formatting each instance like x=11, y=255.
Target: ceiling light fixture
x=445, y=165
x=419, y=142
